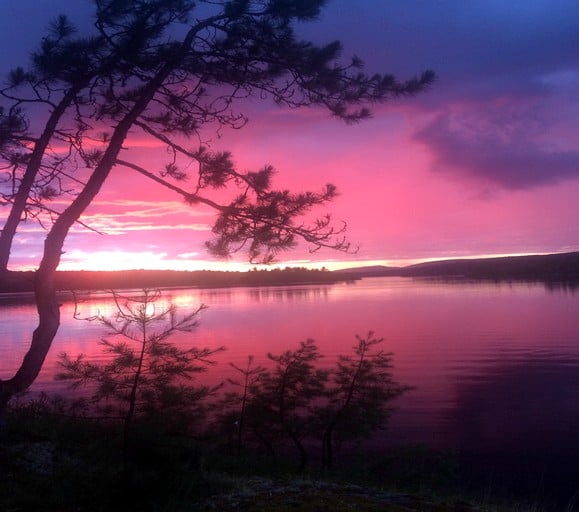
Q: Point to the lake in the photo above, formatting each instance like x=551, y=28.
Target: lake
x=494, y=366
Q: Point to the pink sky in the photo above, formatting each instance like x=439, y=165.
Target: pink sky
x=485, y=163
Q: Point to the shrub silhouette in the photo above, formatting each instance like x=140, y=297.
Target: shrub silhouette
x=145, y=373
x=283, y=397
x=299, y=402
x=358, y=395
x=237, y=403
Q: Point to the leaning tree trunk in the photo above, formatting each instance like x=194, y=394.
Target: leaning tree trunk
x=22, y=194
x=42, y=337
x=44, y=289
x=45, y=296
x=45, y=293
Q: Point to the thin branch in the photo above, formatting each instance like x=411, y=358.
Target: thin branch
x=189, y=197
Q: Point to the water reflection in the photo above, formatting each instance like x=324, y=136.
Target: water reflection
x=289, y=294
x=562, y=286
x=551, y=285
x=491, y=364
x=519, y=402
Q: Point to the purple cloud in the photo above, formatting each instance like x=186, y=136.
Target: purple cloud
x=507, y=156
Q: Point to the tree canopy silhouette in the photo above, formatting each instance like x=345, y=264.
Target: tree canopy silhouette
x=168, y=70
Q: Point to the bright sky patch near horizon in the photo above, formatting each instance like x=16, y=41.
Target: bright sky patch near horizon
x=484, y=163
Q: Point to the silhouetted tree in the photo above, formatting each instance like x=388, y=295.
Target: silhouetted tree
x=359, y=393
x=298, y=399
x=236, y=403
x=146, y=376
x=168, y=69
x=283, y=397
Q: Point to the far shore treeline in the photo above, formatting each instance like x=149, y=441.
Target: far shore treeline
x=553, y=268
x=123, y=279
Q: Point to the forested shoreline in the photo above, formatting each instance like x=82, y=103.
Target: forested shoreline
x=14, y=282
x=563, y=267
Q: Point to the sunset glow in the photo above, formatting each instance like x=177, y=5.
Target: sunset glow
x=484, y=163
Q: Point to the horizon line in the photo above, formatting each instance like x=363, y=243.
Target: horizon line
x=331, y=265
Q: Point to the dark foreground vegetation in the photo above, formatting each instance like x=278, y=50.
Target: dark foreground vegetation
x=53, y=463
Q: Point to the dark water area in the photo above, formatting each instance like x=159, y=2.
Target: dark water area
x=494, y=367
x=517, y=426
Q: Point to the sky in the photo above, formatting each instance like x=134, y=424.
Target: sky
x=486, y=162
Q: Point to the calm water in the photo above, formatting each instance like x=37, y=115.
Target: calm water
x=495, y=367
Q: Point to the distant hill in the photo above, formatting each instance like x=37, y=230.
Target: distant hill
x=370, y=271
x=543, y=267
